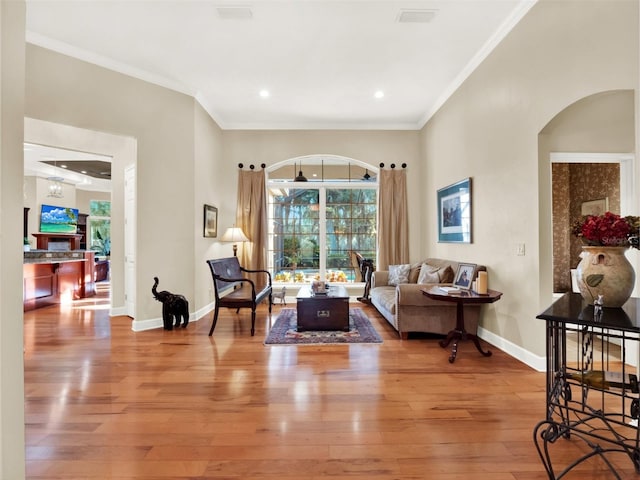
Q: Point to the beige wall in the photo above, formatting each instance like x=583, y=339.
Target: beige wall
x=12, y=32
x=214, y=185
x=559, y=53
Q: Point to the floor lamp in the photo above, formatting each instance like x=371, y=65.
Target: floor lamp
x=235, y=235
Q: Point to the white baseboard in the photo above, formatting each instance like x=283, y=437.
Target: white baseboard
x=117, y=311
x=142, y=325
x=534, y=361
x=151, y=323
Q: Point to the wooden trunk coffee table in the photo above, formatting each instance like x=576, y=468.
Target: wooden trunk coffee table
x=323, y=312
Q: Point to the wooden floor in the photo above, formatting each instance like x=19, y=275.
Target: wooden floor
x=104, y=402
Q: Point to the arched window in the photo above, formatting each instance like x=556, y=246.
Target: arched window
x=322, y=213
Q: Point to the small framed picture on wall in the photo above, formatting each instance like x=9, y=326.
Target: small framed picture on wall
x=595, y=207
x=210, y=221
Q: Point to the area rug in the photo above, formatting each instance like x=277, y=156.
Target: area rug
x=284, y=331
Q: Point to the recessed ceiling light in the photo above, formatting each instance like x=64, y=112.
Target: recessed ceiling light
x=63, y=166
x=379, y=94
x=264, y=93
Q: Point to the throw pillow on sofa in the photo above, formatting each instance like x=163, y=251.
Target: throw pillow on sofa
x=428, y=274
x=446, y=275
x=399, y=274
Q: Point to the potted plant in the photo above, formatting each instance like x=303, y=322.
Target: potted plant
x=294, y=259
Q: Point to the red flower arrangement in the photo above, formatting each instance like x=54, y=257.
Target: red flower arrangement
x=608, y=230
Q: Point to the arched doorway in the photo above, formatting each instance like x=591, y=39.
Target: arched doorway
x=585, y=154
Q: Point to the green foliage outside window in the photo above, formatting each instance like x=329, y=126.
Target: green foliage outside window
x=100, y=234
x=100, y=226
x=350, y=218
x=100, y=208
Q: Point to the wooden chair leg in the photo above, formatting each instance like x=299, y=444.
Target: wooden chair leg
x=215, y=320
x=253, y=321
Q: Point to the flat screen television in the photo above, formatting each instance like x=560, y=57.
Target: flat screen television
x=58, y=219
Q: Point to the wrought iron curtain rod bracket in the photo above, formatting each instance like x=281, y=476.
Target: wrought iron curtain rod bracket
x=393, y=165
x=252, y=166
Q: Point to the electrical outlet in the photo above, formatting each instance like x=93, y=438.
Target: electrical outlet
x=520, y=249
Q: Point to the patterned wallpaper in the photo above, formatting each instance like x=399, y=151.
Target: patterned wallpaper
x=573, y=184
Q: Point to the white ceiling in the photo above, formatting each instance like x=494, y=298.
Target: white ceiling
x=321, y=60
x=38, y=159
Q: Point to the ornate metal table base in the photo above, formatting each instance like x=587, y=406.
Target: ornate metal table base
x=601, y=413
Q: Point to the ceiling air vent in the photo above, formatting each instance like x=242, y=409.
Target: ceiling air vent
x=416, y=16
x=235, y=13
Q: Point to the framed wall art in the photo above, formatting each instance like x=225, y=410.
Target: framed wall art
x=210, y=222
x=454, y=212
x=595, y=207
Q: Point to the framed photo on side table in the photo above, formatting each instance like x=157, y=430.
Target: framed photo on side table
x=454, y=212
x=464, y=275
x=210, y=222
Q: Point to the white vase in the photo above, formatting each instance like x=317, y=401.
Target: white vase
x=605, y=271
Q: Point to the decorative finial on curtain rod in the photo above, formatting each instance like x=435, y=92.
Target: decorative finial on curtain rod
x=393, y=165
x=252, y=166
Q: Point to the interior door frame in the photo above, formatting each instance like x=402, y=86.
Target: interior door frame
x=626, y=161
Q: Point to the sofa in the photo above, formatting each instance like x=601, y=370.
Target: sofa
x=407, y=309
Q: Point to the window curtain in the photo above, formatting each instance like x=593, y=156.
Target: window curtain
x=251, y=216
x=393, y=221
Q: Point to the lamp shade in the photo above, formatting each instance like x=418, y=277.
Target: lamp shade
x=234, y=234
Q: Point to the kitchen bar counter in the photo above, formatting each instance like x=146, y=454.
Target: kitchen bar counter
x=46, y=256
x=55, y=277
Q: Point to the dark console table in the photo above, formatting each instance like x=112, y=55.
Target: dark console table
x=461, y=299
x=582, y=340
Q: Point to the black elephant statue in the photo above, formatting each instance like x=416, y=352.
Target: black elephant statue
x=173, y=306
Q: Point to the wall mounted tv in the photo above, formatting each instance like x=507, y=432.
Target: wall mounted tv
x=58, y=219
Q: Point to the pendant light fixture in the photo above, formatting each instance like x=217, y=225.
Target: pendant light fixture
x=55, y=185
x=300, y=177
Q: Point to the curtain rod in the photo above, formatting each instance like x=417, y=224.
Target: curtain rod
x=393, y=165
x=241, y=166
x=263, y=165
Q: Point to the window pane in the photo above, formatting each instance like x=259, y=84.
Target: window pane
x=100, y=236
x=100, y=208
x=296, y=249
